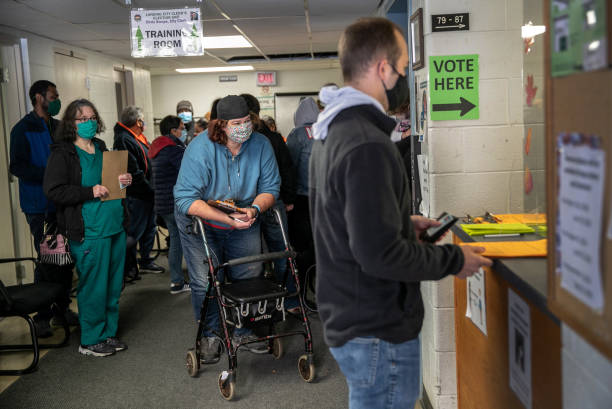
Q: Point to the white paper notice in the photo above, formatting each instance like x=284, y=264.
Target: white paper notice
x=519, y=342
x=424, y=182
x=581, y=176
x=476, y=305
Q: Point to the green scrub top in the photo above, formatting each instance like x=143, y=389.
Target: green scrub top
x=101, y=219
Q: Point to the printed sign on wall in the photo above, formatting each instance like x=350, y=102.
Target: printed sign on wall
x=453, y=87
x=166, y=33
x=519, y=348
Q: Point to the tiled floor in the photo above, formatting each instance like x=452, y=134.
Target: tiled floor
x=15, y=331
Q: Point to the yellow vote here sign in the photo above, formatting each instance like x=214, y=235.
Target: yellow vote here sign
x=453, y=87
x=166, y=33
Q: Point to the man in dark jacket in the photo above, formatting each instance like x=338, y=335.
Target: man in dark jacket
x=370, y=261
x=299, y=143
x=29, y=151
x=269, y=225
x=129, y=136
x=166, y=153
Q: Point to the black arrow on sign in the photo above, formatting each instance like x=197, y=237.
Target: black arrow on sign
x=464, y=106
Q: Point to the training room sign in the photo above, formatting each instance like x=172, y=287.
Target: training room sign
x=166, y=33
x=453, y=85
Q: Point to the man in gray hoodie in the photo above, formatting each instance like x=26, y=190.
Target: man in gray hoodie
x=370, y=261
x=299, y=142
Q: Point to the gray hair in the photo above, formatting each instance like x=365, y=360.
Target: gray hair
x=131, y=114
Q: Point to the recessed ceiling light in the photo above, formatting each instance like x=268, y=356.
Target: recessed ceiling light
x=229, y=68
x=236, y=41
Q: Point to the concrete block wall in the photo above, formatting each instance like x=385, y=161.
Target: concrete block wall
x=474, y=165
x=586, y=373
x=477, y=165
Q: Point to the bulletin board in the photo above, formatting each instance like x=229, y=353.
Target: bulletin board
x=579, y=104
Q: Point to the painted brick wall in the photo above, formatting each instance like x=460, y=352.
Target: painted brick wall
x=474, y=165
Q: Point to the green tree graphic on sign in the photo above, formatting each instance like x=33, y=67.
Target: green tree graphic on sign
x=139, y=37
x=194, y=31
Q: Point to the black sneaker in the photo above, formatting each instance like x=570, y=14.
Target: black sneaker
x=210, y=349
x=152, y=268
x=132, y=276
x=179, y=288
x=260, y=347
x=116, y=344
x=101, y=349
x=43, y=329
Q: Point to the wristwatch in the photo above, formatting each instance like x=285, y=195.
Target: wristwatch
x=256, y=207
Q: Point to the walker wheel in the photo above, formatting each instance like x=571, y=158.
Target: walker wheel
x=193, y=362
x=277, y=348
x=227, y=388
x=306, y=368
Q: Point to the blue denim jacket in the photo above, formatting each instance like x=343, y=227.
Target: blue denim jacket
x=210, y=172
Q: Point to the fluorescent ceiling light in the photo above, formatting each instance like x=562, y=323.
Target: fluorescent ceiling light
x=229, y=68
x=591, y=17
x=237, y=41
x=594, y=45
x=530, y=31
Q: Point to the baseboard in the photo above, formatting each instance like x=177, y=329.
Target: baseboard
x=425, y=402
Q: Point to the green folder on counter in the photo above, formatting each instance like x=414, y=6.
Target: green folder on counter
x=501, y=228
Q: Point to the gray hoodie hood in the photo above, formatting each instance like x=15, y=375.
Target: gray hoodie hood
x=337, y=100
x=306, y=113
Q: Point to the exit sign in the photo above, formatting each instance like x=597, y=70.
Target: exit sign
x=266, y=78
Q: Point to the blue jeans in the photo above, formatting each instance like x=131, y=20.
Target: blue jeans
x=142, y=227
x=175, y=251
x=380, y=374
x=224, y=245
x=274, y=239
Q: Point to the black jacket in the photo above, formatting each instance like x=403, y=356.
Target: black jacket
x=166, y=153
x=287, y=171
x=139, y=164
x=62, y=185
x=369, y=262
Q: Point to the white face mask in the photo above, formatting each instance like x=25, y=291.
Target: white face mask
x=240, y=133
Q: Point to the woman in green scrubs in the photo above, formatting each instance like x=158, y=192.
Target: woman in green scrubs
x=95, y=229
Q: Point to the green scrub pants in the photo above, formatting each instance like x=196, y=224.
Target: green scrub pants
x=99, y=263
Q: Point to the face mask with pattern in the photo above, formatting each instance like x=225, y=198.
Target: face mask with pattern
x=240, y=133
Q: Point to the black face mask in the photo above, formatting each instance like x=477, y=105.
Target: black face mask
x=400, y=92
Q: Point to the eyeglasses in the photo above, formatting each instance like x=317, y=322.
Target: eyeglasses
x=85, y=119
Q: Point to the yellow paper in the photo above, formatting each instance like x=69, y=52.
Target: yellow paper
x=496, y=228
x=525, y=218
x=511, y=249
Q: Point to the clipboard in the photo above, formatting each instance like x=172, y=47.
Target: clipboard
x=226, y=206
x=114, y=163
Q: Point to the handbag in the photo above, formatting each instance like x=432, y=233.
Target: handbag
x=54, y=248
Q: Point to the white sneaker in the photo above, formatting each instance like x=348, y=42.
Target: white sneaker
x=177, y=288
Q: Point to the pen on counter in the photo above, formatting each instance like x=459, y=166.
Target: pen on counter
x=489, y=236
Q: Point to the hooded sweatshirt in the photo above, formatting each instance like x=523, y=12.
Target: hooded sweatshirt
x=336, y=100
x=300, y=139
x=209, y=171
x=369, y=261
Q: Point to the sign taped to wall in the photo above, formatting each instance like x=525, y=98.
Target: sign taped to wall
x=166, y=33
x=453, y=87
